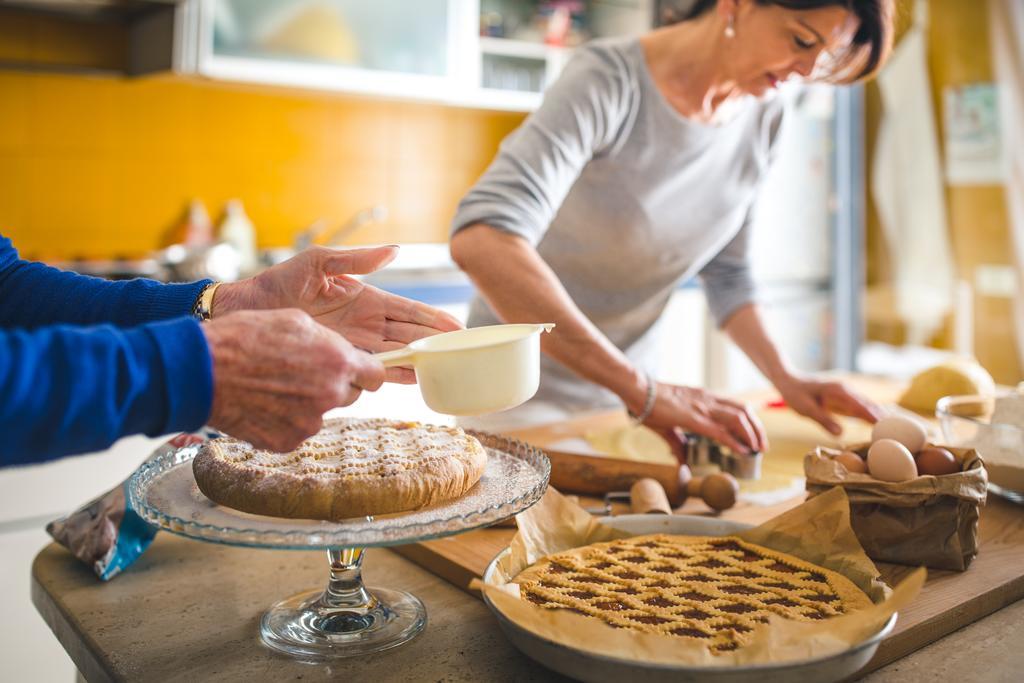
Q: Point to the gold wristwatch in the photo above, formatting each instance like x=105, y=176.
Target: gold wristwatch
x=202, y=309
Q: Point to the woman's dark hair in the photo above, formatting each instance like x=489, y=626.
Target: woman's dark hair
x=867, y=52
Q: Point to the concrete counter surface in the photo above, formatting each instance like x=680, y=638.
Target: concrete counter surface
x=189, y=611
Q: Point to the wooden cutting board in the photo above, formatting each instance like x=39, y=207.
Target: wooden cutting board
x=949, y=600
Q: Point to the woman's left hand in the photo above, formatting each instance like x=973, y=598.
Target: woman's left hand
x=317, y=281
x=820, y=399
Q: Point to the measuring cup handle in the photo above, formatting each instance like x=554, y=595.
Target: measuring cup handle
x=390, y=359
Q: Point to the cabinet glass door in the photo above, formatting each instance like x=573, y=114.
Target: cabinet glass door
x=393, y=36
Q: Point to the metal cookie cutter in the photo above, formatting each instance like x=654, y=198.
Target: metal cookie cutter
x=703, y=454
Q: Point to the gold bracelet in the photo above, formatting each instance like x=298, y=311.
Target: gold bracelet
x=203, y=307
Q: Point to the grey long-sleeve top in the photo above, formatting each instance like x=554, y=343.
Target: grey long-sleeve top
x=624, y=198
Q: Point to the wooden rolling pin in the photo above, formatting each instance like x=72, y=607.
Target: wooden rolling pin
x=596, y=476
x=647, y=496
x=718, y=491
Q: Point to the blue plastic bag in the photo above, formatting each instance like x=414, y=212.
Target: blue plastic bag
x=105, y=533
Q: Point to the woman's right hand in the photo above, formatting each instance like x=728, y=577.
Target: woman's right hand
x=275, y=373
x=690, y=409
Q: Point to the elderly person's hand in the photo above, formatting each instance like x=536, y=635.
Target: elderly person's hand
x=317, y=281
x=275, y=373
x=690, y=409
x=818, y=399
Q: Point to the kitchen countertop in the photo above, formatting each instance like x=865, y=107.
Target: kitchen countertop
x=189, y=611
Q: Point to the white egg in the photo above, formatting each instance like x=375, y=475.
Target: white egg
x=907, y=431
x=889, y=460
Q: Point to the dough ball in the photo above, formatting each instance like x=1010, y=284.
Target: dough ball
x=952, y=378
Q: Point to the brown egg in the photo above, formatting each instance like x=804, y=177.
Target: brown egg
x=852, y=462
x=936, y=461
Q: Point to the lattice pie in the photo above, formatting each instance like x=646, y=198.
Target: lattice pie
x=712, y=591
x=349, y=469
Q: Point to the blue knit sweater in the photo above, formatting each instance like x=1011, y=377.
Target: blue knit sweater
x=84, y=361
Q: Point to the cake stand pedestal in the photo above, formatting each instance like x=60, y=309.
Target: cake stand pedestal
x=346, y=618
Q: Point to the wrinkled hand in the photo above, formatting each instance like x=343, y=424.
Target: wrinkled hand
x=819, y=399
x=275, y=373
x=317, y=281
x=689, y=409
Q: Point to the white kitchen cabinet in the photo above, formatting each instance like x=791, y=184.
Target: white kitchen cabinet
x=29, y=498
x=30, y=650
x=386, y=47
x=429, y=50
x=517, y=64
x=43, y=492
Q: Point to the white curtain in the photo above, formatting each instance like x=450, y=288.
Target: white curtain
x=1007, y=30
x=908, y=188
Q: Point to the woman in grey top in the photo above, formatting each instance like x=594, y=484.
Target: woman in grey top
x=630, y=178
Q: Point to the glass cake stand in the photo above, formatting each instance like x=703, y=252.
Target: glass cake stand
x=346, y=619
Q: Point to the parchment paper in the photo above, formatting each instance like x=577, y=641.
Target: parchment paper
x=818, y=531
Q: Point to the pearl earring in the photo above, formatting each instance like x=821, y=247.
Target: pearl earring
x=730, y=28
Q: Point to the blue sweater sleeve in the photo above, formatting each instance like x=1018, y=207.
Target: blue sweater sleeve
x=66, y=390
x=33, y=295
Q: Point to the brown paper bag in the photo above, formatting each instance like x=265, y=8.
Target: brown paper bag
x=930, y=521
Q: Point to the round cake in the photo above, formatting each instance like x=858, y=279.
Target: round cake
x=349, y=469
x=711, y=591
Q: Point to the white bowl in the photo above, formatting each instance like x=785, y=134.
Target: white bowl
x=475, y=371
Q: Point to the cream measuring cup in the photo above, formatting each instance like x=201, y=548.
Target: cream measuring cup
x=474, y=371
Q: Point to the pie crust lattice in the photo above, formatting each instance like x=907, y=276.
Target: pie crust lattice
x=713, y=591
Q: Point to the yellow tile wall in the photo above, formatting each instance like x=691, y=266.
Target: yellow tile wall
x=104, y=166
